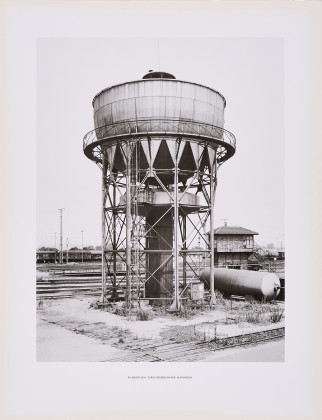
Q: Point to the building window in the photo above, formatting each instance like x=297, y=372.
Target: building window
x=248, y=243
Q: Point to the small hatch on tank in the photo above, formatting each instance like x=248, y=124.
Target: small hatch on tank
x=158, y=75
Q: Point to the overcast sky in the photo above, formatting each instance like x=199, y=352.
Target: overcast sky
x=247, y=71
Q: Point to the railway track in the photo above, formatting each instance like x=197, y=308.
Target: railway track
x=196, y=350
x=67, y=284
x=63, y=287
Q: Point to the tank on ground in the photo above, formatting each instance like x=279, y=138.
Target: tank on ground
x=258, y=284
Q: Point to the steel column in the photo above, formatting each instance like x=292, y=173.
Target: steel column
x=128, y=225
x=213, y=181
x=114, y=218
x=103, y=227
x=176, y=303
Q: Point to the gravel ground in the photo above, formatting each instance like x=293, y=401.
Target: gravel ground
x=62, y=324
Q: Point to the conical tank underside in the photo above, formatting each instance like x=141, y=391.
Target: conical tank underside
x=160, y=154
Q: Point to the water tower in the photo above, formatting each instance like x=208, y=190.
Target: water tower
x=159, y=142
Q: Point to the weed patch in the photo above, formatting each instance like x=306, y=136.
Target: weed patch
x=40, y=304
x=276, y=316
x=142, y=315
x=254, y=317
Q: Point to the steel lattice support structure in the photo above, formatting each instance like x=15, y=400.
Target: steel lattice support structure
x=158, y=193
x=159, y=142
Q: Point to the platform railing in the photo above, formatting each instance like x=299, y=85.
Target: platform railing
x=160, y=126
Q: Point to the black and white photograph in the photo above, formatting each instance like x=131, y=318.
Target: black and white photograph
x=170, y=248
x=160, y=207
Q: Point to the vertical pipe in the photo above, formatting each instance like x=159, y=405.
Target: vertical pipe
x=128, y=226
x=103, y=227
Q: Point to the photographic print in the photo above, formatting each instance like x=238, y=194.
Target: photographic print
x=160, y=200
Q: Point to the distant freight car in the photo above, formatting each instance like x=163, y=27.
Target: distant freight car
x=47, y=256
x=77, y=255
x=74, y=255
x=96, y=255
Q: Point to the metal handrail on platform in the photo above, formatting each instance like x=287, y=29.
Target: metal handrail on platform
x=157, y=127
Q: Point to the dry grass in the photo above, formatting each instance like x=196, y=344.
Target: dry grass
x=186, y=312
x=254, y=317
x=181, y=334
x=257, y=313
x=122, y=335
x=252, y=311
x=119, y=310
x=142, y=315
x=40, y=304
x=276, y=316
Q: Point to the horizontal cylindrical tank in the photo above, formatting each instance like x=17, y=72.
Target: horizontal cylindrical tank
x=153, y=99
x=259, y=284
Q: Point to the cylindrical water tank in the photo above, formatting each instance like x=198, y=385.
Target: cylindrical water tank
x=157, y=112
x=159, y=98
x=259, y=284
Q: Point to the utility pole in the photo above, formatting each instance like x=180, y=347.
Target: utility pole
x=67, y=243
x=61, y=236
x=82, y=248
x=199, y=256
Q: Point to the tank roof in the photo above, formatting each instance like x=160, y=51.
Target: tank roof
x=156, y=78
x=158, y=75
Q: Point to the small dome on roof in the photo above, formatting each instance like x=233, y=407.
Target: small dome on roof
x=158, y=75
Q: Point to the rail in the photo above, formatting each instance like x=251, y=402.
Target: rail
x=194, y=350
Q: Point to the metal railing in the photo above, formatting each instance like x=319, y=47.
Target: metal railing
x=166, y=126
x=263, y=257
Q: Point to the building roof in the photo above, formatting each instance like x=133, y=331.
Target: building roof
x=233, y=230
x=78, y=251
